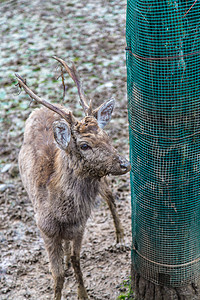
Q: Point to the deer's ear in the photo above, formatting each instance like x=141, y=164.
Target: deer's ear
x=104, y=112
x=62, y=134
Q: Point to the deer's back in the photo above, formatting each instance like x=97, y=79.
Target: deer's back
x=37, y=155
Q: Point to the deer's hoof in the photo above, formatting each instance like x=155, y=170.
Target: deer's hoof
x=120, y=236
x=82, y=294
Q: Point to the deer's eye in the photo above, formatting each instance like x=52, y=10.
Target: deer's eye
x=85, y=147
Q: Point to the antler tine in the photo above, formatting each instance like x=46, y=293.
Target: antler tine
x=74, y=75
x=67, y=116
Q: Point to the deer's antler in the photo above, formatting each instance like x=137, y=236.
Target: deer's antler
x=67, y=116
x=75, y=76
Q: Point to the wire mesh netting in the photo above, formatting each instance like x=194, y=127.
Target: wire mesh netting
x=163, y=66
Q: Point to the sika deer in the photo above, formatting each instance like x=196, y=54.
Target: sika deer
x=63, y=163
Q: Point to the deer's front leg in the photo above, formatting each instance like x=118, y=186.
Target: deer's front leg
x=67, y=252
x=55, y=253
x=107, y=195
x=75, y=258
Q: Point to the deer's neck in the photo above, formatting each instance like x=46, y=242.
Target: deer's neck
x=73, y=191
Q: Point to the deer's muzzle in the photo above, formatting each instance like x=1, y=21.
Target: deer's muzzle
x=121, y=166
x=125, y=165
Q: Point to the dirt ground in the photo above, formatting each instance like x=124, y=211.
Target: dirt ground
x=92, y=34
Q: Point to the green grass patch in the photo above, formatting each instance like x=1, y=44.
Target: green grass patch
x=126, y=292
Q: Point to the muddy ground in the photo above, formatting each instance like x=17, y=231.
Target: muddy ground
x=92, y=34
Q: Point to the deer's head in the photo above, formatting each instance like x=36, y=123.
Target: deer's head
x=86, y=138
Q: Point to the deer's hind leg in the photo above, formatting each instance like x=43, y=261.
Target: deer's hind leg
x=55, y=252
x=107, y=195
x=75, y=258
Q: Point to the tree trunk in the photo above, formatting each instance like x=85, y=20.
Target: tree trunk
x=146, y=290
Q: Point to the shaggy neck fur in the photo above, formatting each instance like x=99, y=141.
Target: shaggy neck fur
x=72, y=190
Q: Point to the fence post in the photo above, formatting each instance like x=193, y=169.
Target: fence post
x=163, y=85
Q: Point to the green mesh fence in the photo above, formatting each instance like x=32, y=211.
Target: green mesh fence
x=163, y=67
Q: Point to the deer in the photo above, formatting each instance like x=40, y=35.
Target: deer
x=63, y=164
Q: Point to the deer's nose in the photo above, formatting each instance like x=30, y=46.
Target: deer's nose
x=125, y=164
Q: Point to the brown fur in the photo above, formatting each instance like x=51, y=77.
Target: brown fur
x=63, y=185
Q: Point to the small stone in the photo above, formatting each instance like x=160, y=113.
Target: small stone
x=6, y=168
x=108, y=84
x=4, y=187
